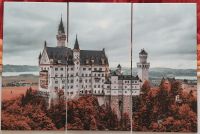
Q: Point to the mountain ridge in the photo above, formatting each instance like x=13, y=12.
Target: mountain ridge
x=154, y=72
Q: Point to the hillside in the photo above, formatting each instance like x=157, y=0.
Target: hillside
x=153, y=72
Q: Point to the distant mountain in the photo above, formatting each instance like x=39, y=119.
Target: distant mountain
x=163, y=72
x=153, y=72
x=159, y=72
x=20, y=68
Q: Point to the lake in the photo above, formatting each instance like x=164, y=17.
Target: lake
x=18, y=73
x=37, y=73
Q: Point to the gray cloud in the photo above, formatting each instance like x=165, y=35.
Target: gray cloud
x=166, y=31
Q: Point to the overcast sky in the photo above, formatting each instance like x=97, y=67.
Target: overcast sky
x=166, y=31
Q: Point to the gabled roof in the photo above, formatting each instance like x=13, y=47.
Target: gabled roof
x=128, y=77
x=60, y=55
x=95, y=55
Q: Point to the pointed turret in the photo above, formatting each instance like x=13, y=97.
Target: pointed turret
x=61, y=26
x=76, y=45
x=40, y=55
x=61, y=37
x=45, y=44
x=119, y=66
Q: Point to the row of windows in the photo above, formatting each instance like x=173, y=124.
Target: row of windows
x=44, y=68
x=127, y=81
x=61, y=69
x=83, y=75
x=80, y=81
x=68, y=75
x=88, y=92
x=95, y=69
x=86, y=86
x=121, y=92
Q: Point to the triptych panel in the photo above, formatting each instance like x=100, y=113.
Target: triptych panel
x=99, y=66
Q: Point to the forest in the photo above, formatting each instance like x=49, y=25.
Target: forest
x=166, y=108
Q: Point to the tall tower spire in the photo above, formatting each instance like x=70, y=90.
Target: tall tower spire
x=76, y=45
x=143, y=66
x=61, y=36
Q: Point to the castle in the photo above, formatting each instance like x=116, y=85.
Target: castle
x=86, y=72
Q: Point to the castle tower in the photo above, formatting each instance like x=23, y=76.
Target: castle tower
x=61, y=36
x=76, y=59
x=143, y=66
x=119, y=70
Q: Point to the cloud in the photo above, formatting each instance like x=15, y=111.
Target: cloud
x=166, y=31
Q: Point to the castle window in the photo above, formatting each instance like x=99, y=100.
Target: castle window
x=80, y=81
x=56, y=75
x=76, y=74
x=95, y=69
x=98, y=86
x=84, y=69
x=95, y=86
x=102, y=75
x=87, y=61
x=86, y=81
x=100, y=69
x=72, y=69
x=72, y=81
x=61, y=69
x=63, y=81
x=56, y=88
x=82, y=75
x=76, y=85
x=85, y=75
x=56, y=82
x=71, y=87
x=90, y=75
x=61, y=75
x=89, y=80
x=72, y=75
x=89, y=68
x=56, y=69
x=99, y=75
